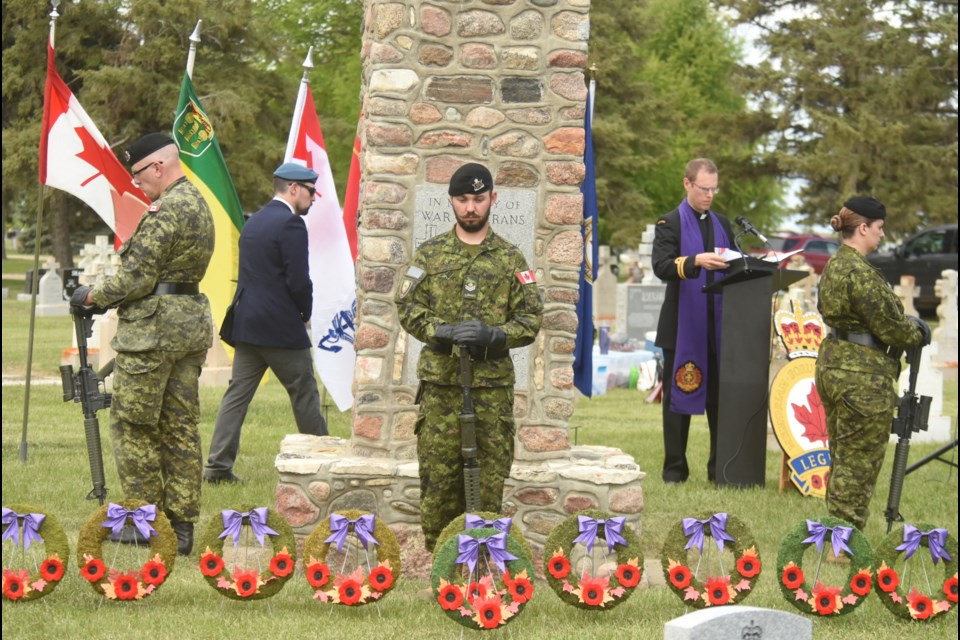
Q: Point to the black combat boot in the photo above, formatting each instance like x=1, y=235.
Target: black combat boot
x=184, y=531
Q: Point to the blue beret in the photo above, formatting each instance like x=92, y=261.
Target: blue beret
x=295, y=173
x=145, y=146
x=470, y=178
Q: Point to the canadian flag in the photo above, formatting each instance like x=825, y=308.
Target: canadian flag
x=351, y=200
x=333, y=322
x=75, y=158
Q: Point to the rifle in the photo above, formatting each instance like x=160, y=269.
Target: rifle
x=84, y=387
x=468, y=435
x=913, y=413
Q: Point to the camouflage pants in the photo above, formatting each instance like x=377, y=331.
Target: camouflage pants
x=438, y=450
x=859, y=409
x=153, y=427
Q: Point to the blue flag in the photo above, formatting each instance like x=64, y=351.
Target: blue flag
x=583, y=353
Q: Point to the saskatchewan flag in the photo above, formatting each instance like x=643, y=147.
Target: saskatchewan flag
x=202, y=162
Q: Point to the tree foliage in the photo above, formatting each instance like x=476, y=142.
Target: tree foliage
x=863, y=99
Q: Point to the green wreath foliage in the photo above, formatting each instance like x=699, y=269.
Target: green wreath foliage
x=839, y=600
x=717, y=590
x=592, y=592
x=106, y=580
x=327, y=583
x=898, y=602
x=268, y=581
x=482, y=604
x=22, y=585
x=457, y=525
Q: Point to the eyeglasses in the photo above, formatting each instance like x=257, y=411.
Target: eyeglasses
x=311, y=190
x=707, y=190
x=142, y=169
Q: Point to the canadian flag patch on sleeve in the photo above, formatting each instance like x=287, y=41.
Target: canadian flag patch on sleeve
x=154, y=207
x=526, y=277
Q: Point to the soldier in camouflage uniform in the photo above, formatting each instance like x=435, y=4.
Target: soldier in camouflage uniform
x=466, y=287
x=859, y=360
x=163, y=333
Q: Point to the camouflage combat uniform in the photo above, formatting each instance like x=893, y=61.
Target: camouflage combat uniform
x=450, y=282
x=856, y=382
x=161, y=343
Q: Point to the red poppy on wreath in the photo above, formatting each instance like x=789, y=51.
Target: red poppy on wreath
x=521, y=589
x=281, y=564
x=488, y=612
x=887, y=579
x=748, y=565
x=211, y=564
x=950, y=588
x=93, y=570
x=792, y=576
x=593, y=591
x=919, y=605
x=154, y=572
x=476, y=591
x=318, y=574
x=826, y=600
x=126, y=587
x=246, y=583
x=51, y=569
x=14, y=586
x=718, y=590
x=350, y=592
x=559, y=566
x=680, y=576
x=816, y=482
x=860, y=584
x=381, y=578
x=628, y=575
x=450, y=597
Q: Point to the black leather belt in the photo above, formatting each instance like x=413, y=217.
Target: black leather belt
x=176, y=289
x=480, y=354
x=865, y=340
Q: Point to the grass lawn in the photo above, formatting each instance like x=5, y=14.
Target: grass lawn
x=56, y=477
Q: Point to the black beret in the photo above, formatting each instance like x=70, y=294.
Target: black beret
x=295, y=173
x=867, y=207
x=470, y=178
x=146, y=145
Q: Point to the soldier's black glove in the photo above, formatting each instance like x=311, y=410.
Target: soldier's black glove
x=444, y=333
x=476, y=333
x=78, y=302
x=925, y=332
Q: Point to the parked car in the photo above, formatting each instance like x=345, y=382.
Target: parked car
x=814, y=249
x=924, y=256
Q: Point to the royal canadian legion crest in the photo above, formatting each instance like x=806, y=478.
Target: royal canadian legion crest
x=799, y=421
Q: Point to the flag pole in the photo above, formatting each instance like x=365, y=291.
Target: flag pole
x=192, y=53
x=298, y=109
x=36, y=281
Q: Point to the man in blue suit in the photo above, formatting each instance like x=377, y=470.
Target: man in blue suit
x=272, y=307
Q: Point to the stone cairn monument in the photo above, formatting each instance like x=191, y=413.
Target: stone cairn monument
x=444, y=83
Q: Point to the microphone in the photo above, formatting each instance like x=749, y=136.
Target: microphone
x=749, y=228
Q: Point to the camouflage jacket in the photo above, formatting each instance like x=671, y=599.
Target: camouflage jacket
x=446, y=283
x=173, y=242
x=855, y=297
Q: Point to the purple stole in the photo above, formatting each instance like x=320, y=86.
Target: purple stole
x=688, y=391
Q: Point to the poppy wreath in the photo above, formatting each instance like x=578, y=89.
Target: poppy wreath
x=476, y=602
x=363, y=584
x=122, y=584
x=908, y=541
x=247, y=583
x=832, y=536
x=39, y=528
x=490, y=519
x=595, y=592
x=726, y=531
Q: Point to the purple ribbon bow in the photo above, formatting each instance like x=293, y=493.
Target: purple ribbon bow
x=696, y=529
x=471, y=521
x=31, y=527
x=496, y=544
x=233, y=520
x=611, y=531
x=362, y=526
x=936, y=539
x=141, y=516
x=839, y=537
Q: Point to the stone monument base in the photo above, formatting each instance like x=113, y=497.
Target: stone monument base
x=320, y=474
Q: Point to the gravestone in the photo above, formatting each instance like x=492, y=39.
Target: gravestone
x=605, y=292
x=638, y=308
x=907, y=290
x=945, y=335
x=50, y=293
x=929, y=383
x=645, y=255
x=737, y=622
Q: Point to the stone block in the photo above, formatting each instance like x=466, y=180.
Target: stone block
x=516, y=174
x=423, y=113
x=435, y=55
x=515, y=90
x=295, y=507
x=571, y=25
x=476, y=55
x=378, y=279
x=484, y=118
x=527, y=25
x=460, y=89
x=569, y=85
x=565, y=173
x=566, y=248
x=434, y=20
x=565, y=208
x=565, y=140
x=478, y=23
